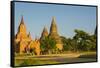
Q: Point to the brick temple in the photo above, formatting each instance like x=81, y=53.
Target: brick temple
x=24, y=43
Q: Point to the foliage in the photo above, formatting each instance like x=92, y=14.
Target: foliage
x=81, y=41
x=48, y=44
x=67, y=43
x=84, y=41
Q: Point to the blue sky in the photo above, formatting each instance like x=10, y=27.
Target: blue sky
x=68, y=18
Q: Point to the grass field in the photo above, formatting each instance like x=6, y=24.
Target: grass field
x=55, y=58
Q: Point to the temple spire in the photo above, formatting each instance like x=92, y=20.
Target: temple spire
x=53, y=20
x=44, y=33
x=53, y=28
x=22, y=27
x=22, y=20
x=54, y=34
x=45, y=30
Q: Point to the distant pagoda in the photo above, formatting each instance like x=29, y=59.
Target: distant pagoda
x=44, y=33
x=22, y=38
x=24, y=42
x=22, y=33
x=54, y=34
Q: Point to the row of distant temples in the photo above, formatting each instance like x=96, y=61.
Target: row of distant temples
x=24, y=42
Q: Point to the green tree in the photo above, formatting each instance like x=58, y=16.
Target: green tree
x=48, y=45
x=67, y=43
x=93, y=42
x=84, y=41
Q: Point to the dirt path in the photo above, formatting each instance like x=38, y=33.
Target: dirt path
x=50, y=56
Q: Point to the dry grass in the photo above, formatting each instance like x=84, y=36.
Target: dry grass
x=51, y=59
